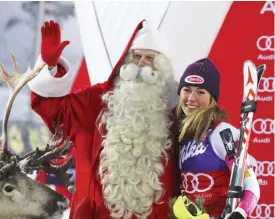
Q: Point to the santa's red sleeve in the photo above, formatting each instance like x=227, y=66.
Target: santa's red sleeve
x=52, y=101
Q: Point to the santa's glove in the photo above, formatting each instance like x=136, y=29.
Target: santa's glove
x=51, y=46
x=235, y=215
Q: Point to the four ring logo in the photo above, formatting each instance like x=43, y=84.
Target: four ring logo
x=267, y=84
x=265, y=168
x=263, y=211
x=266, y=43
x=199, y=182
x=263, y=126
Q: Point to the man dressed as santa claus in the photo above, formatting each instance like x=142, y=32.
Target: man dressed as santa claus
x=120, y=128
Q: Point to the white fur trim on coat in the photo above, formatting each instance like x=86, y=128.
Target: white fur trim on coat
x=46, y=85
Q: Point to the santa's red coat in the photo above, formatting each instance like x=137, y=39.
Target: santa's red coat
x=78, y=112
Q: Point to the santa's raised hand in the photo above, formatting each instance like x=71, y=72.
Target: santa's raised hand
x=51, y=45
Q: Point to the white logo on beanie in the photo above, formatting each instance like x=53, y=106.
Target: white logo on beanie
x=194, y=79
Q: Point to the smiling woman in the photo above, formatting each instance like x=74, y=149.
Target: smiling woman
x=193, y=98
x=199, y=92
x=206, y=143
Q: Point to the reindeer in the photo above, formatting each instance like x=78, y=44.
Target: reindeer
x=20, y=196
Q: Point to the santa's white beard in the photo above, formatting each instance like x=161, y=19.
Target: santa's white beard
x=134, y=148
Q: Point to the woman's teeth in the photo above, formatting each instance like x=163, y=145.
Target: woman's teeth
x=191, y=106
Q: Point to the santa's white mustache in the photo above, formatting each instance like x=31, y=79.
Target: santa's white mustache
x=129, y=72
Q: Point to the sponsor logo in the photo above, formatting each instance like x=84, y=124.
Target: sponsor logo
x=265, y=168
x=229, y=144
x=261, y=140
x=268, y=6
x=266, y=57
x=194, y=79
x=265, y=99
x=191, y=150
x=266, y=43
x=263, y=126
x=267, y=84
x=204, y=195
x=193, y=182
x=262, y=182
x=263, y=211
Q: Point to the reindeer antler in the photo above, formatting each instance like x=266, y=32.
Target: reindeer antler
x=14, y=82
x=42, y=159
x=38, y=159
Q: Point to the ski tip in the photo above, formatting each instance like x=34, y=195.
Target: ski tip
x=261, y=68
x=249, y=65
x=260, y=71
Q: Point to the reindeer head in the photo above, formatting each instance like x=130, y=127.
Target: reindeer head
x=20, y=196
x=23, y=198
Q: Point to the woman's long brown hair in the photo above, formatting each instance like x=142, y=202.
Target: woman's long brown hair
x=197, y=123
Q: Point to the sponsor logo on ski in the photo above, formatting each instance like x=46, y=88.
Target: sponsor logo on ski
x=261, y=140
x=266, y=43
x=194, y=79
x=193, y=182
x=267, y=84
x=263, y=211
x=263, y=126
x=228, y=142
x=265, y=168
x=269, y=6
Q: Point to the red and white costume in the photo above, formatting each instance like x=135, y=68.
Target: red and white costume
x=78, y=112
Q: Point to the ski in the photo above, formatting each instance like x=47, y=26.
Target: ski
x=252, y=77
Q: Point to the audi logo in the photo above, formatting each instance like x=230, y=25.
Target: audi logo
x=263, y=126
x=269, y=6
x=263, y=211
x=266, y=43
x=265, y=168
x=191, y=182
x=267, y=85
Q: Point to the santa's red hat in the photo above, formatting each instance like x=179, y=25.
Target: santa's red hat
x=143, y=37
